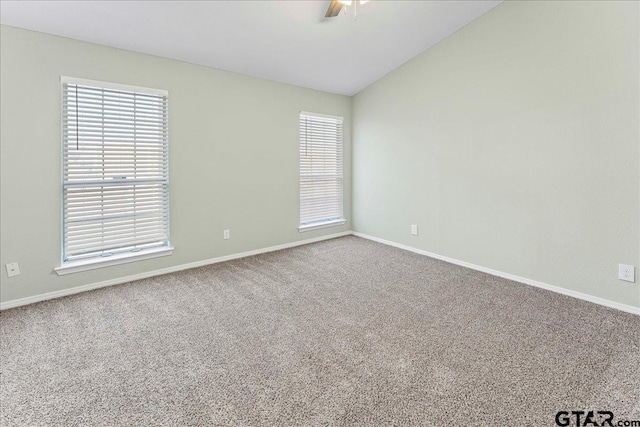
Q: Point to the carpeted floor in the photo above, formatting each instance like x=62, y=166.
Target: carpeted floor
x=345, y=332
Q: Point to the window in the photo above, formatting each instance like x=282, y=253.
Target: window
x=115, y=174
x=321, y=200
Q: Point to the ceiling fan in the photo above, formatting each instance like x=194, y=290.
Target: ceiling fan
x=336, y=6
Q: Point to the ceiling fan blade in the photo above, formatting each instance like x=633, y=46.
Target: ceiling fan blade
x=334, y=9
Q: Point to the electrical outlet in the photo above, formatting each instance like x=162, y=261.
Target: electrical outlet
x=414, y=230
x=13, y=269
x=626, y=273
x=226, y=234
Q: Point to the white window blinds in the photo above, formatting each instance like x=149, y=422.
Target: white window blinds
x=115, y=169
x=321, y=191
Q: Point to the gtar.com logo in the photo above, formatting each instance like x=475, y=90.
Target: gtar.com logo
x=591, y=418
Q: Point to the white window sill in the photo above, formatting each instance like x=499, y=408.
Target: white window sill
x=123, y=258
x=324, y=224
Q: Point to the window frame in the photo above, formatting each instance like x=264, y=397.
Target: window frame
x=163, y=248
x=328, y=222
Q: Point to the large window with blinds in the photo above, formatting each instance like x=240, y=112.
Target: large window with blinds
x=321, y=166
x=115, y=184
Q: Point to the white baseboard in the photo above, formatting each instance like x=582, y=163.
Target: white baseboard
x=579, y=295
x=64, y=292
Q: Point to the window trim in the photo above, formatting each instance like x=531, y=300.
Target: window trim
x=113, y=86
x=330, y=222
x=321, y=224
x=85, y=264
x=115, y=259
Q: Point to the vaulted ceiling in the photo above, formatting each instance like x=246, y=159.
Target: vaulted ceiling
x=286, y=41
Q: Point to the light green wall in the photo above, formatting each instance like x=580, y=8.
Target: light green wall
x=233, y=156
x=514, y=145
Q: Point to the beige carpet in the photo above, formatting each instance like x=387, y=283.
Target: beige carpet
x=345, y=332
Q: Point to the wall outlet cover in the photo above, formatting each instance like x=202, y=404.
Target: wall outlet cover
x=626, y=272
x=226, y=234
x=13, y=269
x=414, y=230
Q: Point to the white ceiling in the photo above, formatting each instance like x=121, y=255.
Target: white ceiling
x=286, y=41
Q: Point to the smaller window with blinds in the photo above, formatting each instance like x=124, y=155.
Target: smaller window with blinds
x=115, y=174
x=321, y=166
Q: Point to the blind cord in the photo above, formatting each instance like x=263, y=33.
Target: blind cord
x=77, y=125
x=306, y=137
